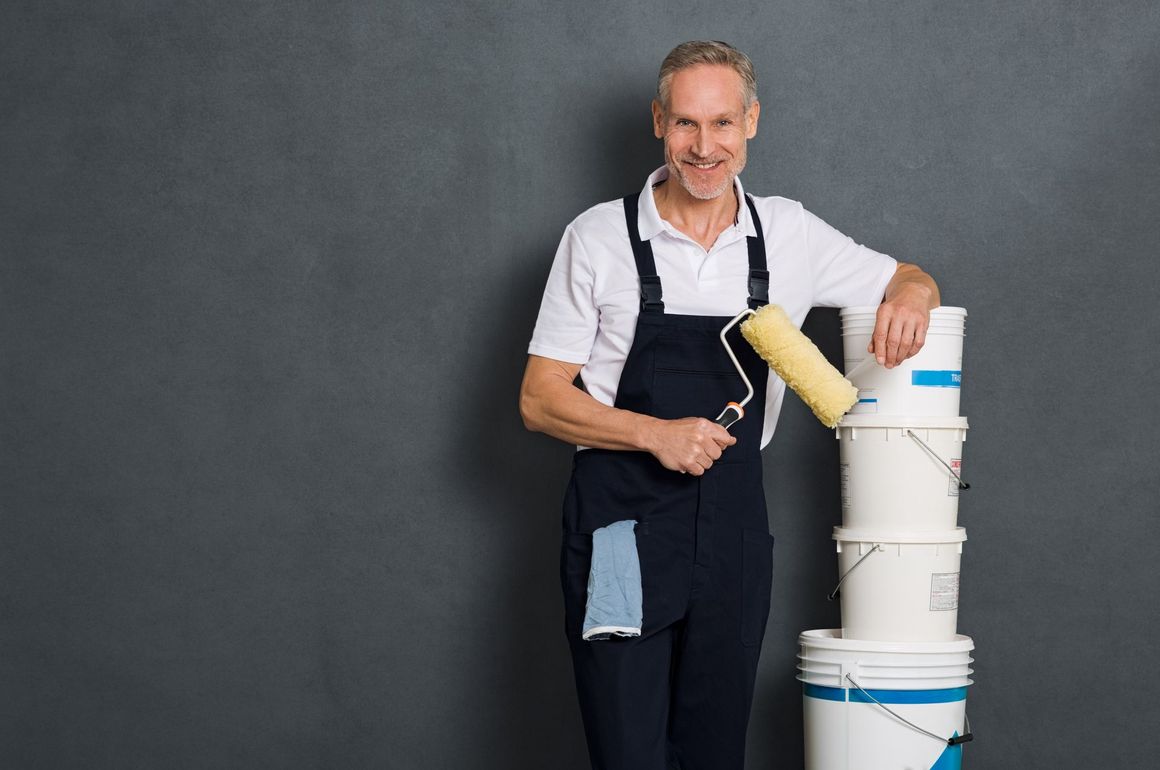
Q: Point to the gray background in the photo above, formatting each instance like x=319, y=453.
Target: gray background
x=268, y=274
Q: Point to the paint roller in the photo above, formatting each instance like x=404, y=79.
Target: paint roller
x=796, y=360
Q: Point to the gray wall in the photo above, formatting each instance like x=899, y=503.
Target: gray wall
x=267, y=275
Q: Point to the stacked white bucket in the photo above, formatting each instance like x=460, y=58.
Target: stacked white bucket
x=888, y=690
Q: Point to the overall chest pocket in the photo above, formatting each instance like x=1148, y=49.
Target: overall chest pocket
x=693, y=378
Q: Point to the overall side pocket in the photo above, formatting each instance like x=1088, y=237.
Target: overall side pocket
x=756, y=584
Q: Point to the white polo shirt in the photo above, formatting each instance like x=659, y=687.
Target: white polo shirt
x=588, y=313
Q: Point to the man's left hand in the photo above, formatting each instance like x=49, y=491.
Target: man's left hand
x=903, y=316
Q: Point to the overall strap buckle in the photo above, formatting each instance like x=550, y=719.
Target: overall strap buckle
x=650, y=294
x=758, y=274
x=758, y=288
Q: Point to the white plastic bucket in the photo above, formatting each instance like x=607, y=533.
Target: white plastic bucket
x=925, y=385
x=899, y=587
x=924, y=683
x=901, y=474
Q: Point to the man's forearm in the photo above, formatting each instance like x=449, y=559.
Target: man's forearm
x=911, y=283
x=551, y=404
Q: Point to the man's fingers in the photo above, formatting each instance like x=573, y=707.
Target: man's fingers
x=878, y=343
x=721, y=437
x=879, y=340
x=919, y=338
x=726, y=441
x=899, y=333
x=698, y=466
x=700, y=460
x=893, y=341
x=906, y=342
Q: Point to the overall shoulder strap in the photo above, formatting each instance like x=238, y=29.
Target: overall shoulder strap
x=646, y=268
x=758, y=272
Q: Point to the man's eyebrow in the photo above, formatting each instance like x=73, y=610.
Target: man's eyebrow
x=721, y=116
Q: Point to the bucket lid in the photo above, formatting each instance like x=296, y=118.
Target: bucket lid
x=831, y=639
x=956, y=535
x=942, y=310
x=901, y=421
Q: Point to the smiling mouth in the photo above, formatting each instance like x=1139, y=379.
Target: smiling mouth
x=703, y=166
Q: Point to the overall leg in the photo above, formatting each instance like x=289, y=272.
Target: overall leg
x=714, y=676
x=624, y=683
x=623, y=688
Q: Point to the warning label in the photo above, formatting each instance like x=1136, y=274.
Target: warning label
x=944, y=591
x=953, y=484
x=845, y=471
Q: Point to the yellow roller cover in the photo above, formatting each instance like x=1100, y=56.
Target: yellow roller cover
x=798, y=361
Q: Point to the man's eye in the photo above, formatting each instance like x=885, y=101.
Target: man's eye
x=724, y=123
x=684, y=122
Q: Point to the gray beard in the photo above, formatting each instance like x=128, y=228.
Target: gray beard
x=702, y=195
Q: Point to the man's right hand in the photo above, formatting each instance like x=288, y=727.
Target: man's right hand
x=552, y=404
x=689, y=445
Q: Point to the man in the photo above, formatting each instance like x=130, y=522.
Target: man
x=638, y=292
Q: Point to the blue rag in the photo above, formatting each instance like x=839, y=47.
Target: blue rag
x=614, y=593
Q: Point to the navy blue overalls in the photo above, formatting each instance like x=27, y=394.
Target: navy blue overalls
x=679, y=695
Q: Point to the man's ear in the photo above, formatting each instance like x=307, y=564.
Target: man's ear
x=751, y=116
x=658, y=114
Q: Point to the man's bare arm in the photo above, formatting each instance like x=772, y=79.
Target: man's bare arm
x=550, y=403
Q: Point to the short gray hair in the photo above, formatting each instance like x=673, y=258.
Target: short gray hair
x=696, y=52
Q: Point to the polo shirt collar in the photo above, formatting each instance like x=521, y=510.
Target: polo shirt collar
x=649, y=220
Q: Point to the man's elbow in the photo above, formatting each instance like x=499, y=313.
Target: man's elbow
x=530, y=411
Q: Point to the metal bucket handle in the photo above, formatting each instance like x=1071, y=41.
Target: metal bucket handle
x=956, y=740
x=962, y=484
x=837, y=589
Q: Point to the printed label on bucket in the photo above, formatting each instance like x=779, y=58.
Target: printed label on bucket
x=944, y=591
x=953, y=484
x=845, y=472
x=937, y=378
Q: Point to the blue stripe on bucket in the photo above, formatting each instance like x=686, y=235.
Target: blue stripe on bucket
x=951, y=757
x=937, y=378
x=950, y=695
x=867, y=401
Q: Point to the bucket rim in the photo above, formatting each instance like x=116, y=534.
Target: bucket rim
x=804, y=657
x=832, y=639
x=844, y=535
x=946, y=310
x=902, y=421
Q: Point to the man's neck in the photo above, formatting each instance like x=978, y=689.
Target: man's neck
x=701, y=220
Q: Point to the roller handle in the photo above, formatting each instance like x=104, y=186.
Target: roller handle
x=863, y=366
x=730, y=414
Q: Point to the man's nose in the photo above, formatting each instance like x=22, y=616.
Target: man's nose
x=702, y=142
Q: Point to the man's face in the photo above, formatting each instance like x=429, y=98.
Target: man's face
x=705, y=128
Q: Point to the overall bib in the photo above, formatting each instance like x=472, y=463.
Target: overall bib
x=679, y=695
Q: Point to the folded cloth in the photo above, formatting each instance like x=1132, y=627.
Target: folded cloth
x=614, y=593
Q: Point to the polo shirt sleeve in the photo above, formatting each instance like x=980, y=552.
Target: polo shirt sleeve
x=569, y=316
x=845, y=273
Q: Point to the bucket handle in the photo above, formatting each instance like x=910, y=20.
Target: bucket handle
x=834, y=594
x=962, y=484
x=956, y=740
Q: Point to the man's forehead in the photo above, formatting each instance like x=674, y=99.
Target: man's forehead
x=702, y=86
